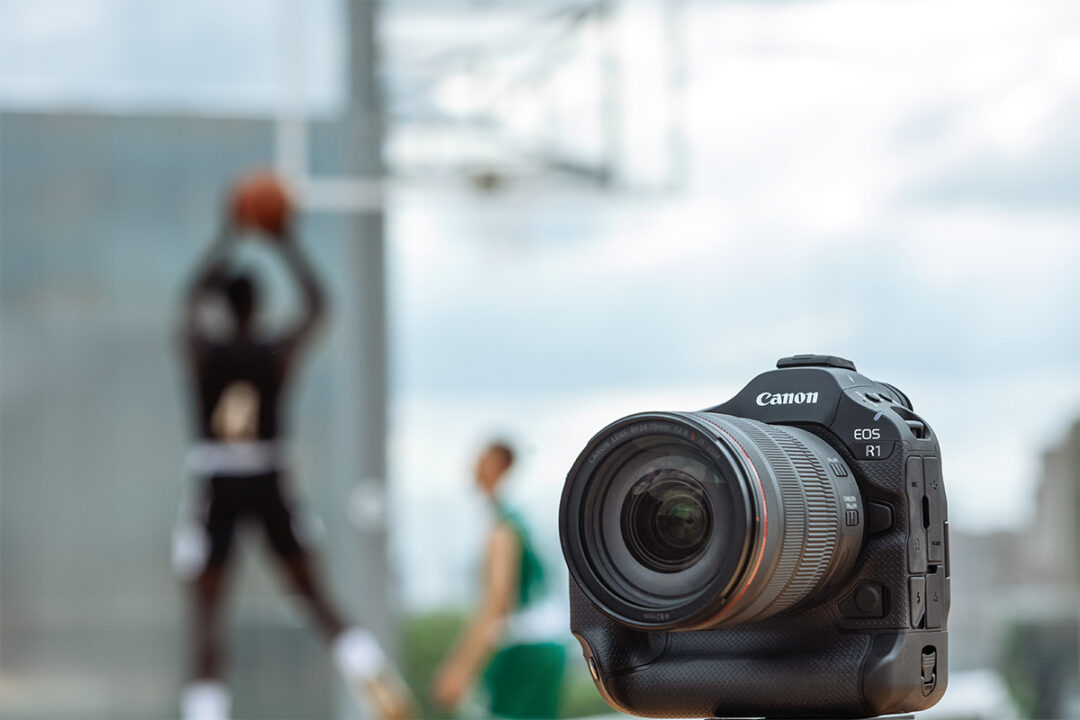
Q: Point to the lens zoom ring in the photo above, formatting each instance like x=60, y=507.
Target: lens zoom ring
x=822, y=510
x=810, y=512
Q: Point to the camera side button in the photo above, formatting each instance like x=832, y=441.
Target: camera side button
x=879, y=517
x=948, y=570
x=917, y=593
x=913, y=479
x=935, y=500
x=948, y=597
x=935, y=599
x=865, y=601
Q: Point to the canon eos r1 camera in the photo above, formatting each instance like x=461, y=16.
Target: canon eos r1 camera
x=784, y=554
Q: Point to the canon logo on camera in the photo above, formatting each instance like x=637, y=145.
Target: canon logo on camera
x=799, y=398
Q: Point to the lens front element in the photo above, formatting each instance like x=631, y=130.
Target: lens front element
x=666, y=521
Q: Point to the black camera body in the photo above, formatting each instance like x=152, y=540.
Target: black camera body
x=784, y=554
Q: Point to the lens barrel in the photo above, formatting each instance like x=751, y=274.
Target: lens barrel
x=695, y=520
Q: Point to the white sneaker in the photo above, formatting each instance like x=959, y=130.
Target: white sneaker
x=358, y=654
x=205, y=700
x=371, y=677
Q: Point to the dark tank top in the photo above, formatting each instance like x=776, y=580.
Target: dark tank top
x=251, y=371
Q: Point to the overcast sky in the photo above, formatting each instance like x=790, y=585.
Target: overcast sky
x=897, y=183
x=894, y=183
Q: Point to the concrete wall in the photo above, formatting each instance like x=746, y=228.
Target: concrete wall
x=101, y=218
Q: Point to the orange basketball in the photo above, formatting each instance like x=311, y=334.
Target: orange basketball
x=260, y=202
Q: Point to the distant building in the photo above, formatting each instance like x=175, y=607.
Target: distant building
x=1053, y=541
x=1016, y=594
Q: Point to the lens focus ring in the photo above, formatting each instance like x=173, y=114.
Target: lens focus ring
x=811, y=507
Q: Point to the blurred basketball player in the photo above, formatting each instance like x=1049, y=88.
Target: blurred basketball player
x=507, y=655
x=239, y=381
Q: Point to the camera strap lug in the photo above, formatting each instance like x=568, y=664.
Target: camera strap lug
x=929, y=671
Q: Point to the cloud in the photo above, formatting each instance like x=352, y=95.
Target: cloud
x=893, y=183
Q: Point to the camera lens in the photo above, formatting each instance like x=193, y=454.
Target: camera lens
x=663, y=518
x=695, y=520
x=666, y=521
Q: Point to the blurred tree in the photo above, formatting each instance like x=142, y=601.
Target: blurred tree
x=426, y=638
x=580, y=697
x=1039, y=662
